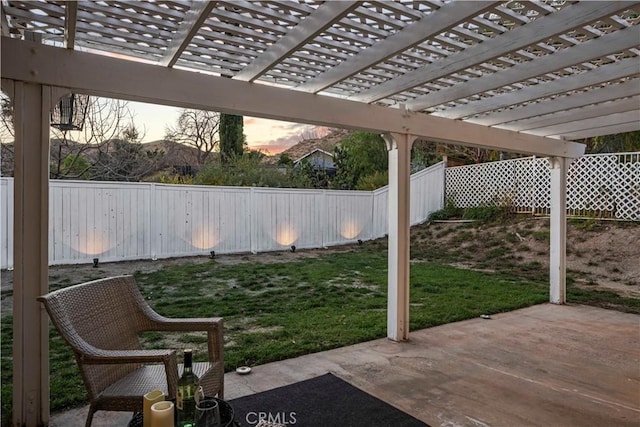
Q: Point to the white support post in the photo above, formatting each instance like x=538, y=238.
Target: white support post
x=558, y=231
x=32, y=104
x=399, y=146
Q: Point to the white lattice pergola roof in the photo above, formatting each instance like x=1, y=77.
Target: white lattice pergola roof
x=562, y=69
x=527, y=77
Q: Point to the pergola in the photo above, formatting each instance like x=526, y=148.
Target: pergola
x=516, y=76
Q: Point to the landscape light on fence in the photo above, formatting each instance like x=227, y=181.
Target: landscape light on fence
x=359, y=242
x=350, y=229
x=293, y=248
x=95, y=262
x=286, y=235
x=204, y=238
x=91, y=244
x=212, y=254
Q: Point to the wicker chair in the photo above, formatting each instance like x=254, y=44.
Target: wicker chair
x=101, y=321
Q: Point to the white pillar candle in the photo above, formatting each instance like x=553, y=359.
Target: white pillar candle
x=162, y=414
x=150, y=398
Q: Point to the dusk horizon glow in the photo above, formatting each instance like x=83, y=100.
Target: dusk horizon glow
x=268, y=136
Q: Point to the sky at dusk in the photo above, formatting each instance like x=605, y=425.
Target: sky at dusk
x=268, y=136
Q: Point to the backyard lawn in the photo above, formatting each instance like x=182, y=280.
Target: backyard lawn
x=292, y=306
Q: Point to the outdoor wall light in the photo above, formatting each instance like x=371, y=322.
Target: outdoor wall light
x=359, y=242
x=95, y=262
x=212, y=254
x=293, y=248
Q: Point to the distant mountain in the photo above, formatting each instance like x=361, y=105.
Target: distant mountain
x=175, y=154
x=326, y=143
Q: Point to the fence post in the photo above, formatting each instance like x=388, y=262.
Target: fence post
x=445, y=160
x=252, y=218
x=153, y=222
x=325, y=220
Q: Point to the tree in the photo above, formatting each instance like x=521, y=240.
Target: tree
x=198, y=129
x=76, y=165
x=358, y=155
x=617, y=143
x=285, y=160
x=6, y=132
x=105, y=120
x=125, y=159
x=231, y=137
x=73, y=153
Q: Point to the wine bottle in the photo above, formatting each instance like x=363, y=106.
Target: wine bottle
x=187, y=387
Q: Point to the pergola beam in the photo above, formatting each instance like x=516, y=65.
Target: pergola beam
x=324, y=17
x=576, y=15
x=413, y=34
x=84, y=73
x=194, y=19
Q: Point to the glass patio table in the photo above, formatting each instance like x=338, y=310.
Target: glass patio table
x=227, y=417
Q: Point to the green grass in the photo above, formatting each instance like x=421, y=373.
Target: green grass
x=277, y=311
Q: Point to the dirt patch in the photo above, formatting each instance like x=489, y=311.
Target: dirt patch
x=600, y=254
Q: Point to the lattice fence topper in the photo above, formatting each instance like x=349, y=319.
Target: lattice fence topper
x=601, y=185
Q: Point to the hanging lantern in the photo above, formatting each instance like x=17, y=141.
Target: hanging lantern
x=70, y=112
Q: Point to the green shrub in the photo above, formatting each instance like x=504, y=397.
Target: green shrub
x=491, y=212
x=373, y=181
x=450, y=211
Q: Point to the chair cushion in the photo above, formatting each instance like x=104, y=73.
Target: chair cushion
x=147, y=378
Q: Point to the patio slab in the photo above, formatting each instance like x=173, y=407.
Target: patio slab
x=546, y=365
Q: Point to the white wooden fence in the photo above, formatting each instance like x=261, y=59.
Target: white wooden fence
x=602, y=185
x=116, y=221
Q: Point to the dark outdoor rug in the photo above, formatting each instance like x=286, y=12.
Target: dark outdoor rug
x=324, y=401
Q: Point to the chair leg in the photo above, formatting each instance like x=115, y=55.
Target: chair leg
x=92, y=410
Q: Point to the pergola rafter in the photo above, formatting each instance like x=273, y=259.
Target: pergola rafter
x=576, y=55
x=323, y=17
x=577, y=114
x=447, y=16
x=612, y=120
x=518, y=38
x=70, y=20
x=188, y=29
x=535, y=110
x=596, y=76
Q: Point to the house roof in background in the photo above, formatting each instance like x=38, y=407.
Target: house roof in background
x=326, y=143
x=316, y=150
x=554, y=68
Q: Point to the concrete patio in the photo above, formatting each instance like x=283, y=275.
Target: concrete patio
x=547, y=365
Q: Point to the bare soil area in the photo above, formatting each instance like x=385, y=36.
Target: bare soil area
x=600, y=254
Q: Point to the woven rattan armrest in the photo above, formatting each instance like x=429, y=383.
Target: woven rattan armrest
x=194, y=324
x=104, y=357
x=212, y=325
